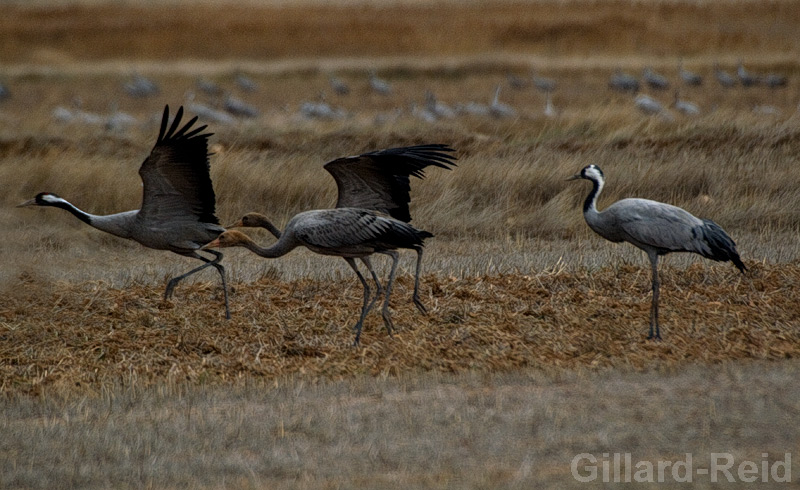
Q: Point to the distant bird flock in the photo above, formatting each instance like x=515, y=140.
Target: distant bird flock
x=652, y=94
x=371, y=215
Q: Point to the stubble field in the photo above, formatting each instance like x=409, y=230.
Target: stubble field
x=533, y=350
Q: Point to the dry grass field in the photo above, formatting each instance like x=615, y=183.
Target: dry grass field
x=533, y=350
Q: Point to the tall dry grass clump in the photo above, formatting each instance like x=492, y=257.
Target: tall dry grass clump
x=736, y=168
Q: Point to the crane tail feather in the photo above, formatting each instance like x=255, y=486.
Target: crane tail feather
x=721, y=245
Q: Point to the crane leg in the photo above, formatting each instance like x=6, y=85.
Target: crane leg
x=654, y=304
x=416, y=299
x=387, y=318
x=221, y=271
x=208, y=263
x=368, y=263
x=379, y=288
x=366, y=306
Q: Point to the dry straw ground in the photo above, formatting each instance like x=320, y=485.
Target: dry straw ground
x=536, y=326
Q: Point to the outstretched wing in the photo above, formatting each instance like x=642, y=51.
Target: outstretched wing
x=379, y=180
x=177, y=184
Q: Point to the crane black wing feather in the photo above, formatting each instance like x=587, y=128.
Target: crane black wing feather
x=379, y=180
x=176, y=179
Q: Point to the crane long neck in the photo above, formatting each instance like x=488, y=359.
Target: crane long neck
x=590, y=204
x=267, y=225
x=278, y=249
x=80, y=214
x=118, y=224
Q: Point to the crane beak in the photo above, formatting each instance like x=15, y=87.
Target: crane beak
x=574, y=177
x=29, y=202
x=212, y=244
x=238, y=224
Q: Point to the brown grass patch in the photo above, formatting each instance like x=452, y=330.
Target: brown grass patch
x=564, y=320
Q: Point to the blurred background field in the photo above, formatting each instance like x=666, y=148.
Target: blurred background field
x=518, y=286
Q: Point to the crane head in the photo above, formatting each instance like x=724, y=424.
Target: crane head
x=591, y=172
x=230, y=238
x=42, y=199
x=250, y=220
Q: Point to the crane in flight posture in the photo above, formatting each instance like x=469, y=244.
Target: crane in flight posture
x=371, y=216
x=656, y=228
x=178, y=202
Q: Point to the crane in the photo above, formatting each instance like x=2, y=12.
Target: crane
x=371, y=216
x=723, y=77
x=379, y=85
x=689, y=77
x=745, y=77
x=655, y=80
x=656, y=228
x=623, y=82
x=178, y=203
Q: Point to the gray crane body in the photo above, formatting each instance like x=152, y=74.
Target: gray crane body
x=352, y=232
x=371, y=216
x=658, y=229
x=178, y=201
x=668, y=228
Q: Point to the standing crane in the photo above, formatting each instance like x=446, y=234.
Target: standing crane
x=656, y=228
x=371, y=216
x=178, y=202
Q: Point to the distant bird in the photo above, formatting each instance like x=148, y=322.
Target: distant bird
x=723, y=77
x=439, y=109
x=5, y=93
x=516, y=82
x=543, y=84
x=766, y=110
x=773, y=80
x=473, y=108
x=746, y=78
x=655, y=80
x=240, y=108
x=321, y=109
x=339, y=86
x=207, y=113
x=650, y=106
x=245, y=83
x=623, y=82
x=379, y=85
x=688, y=77
x=371, y=216
x=499, y=109
x=139, y=86
x=177, y=212
x=208, y=87
x=119, y=120
x=549, y=108
x=685, y=107
x=387, y=117
x=63, y=115
x=656, y=228
x=423, y=113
